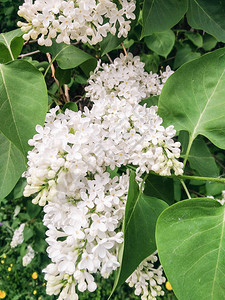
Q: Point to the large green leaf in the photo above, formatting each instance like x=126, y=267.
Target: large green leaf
x=161, y=42
x=23, y=102
x=68, y=56
x=11, y=44
x=190, y=239
x=193, y=98
x=12, y=165
x=139, y=229
x=208, y=16
x=160, y=15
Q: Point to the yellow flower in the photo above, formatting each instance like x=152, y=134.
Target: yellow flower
x=9, y=269
x=2, y=261
x=34, y=292
x=168, y=286
x=2, y=294
x=35, y=275
x=4, y=256
x=11, y=265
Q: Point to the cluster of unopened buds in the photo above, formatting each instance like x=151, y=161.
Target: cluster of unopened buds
x=80, y=20
x=69, y=173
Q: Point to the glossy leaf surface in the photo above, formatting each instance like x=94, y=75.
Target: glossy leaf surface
x=198, y=105
x=190, y=239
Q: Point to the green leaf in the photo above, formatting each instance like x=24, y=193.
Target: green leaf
x=209, y=42
x=19, y=188
x=190, y=239
x=23, y=102
x=27, y=233
x=153, y=100
x=68, y=56
x=208, y=16
x=88, y=66
x=160, y=187
x=63, y=76
x=39, y=238
x=12, y=165
x=200, y=158
x=127, y=44
x=161, y=42
x=151, y=62
x=109, y=43
x=71, y=105
x=32, y=210
x=183, y=55
x=139, y=229
x=198, y=105
x=214, y=188
x=195, y=38
x=11, y=44
x=160, y=15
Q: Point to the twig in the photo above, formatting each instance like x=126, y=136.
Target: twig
x=66, y=89
x=29, y=42
x=53, y=75
x=28, y=54
x=185, y=188
x=52, y=67
x=124, y=49
x=109, y=58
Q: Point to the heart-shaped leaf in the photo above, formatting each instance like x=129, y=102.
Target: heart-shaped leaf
x=193, y=98
x=161, y=43
x=190, y=238
x=23, y=102
x=195, y=38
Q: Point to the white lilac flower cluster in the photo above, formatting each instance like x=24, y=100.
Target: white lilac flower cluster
x=68, y=169
x=134, y=132
x=18, y=239
x=84, y=233
x=28, y=256
x=85, y=206
x=80, y=20
x=17, y=236
x=125, y=79
x=147, y=279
